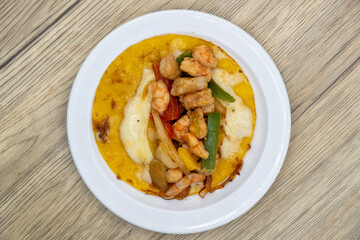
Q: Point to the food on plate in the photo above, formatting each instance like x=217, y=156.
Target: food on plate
x=174, y=116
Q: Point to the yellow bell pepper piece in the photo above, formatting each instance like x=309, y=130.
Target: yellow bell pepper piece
x=188, y=160
x=244, y=91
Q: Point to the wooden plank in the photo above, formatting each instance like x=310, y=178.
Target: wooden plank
x=23, y=22
x=316, y=46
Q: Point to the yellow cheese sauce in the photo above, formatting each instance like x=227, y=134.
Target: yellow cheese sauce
x=119, y=83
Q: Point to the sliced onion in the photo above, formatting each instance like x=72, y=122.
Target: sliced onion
x=162, y=155
x=169, y=146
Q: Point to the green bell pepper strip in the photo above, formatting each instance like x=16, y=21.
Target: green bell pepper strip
x=181, y=57
x=218, y=92
x=211, y=141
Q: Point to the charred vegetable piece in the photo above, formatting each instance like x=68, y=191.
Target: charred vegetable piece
x=211, y=142
x=158, y=174
x=181, y=57
x=218, y=92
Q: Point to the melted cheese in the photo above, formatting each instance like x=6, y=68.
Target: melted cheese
x=133, y=129
x=176, y=53
x=238, y=119
x=218, y=53
x=144, y=174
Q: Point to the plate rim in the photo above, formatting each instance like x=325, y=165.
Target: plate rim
x=280, y=84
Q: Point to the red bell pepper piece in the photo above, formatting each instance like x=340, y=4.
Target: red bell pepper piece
x=158, y=76
x=168, y=128
x=156, y=67
x=172, y=112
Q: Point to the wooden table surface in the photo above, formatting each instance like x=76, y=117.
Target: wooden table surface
x=316, y=46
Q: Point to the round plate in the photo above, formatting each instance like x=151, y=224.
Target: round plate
x=261, y=164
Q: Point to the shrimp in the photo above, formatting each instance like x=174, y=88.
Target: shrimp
x=196, y=158
x=178, y=187
x=196, y=146
x=184, y=183
x=197, y=124
x=181, y=128
x=194, y=68
x=187, y=85
x=196, y=177
x=173, y=175
x=205, y=56
x=169, y=68
x=181, y=132
x=198, y=99
x=160, y=96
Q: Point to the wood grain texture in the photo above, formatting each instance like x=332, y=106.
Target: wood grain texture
x=23, y=22
x=316, y=46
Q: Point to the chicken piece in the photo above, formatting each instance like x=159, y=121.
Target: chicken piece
x=197, y=124
x=187, y=85
x=208, y=109
x=160, y=96
x=204, y=55
x=181, y=128
x=198, y=99
x=196, y=146
x=169, y=68
x=194, y=68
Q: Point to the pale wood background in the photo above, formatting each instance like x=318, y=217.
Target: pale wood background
x=316, y=46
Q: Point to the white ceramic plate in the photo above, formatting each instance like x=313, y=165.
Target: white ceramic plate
x=261, y=164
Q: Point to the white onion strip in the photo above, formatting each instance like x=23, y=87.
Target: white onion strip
x=164, y=138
